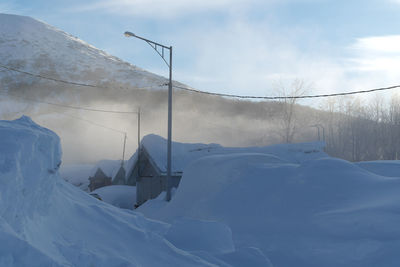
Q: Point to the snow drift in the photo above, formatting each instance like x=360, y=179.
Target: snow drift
x=320, y=212
x=47, y=222
x=121, y=196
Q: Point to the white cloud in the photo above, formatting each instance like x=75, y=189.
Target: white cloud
x=380, y=44
x=378, y=53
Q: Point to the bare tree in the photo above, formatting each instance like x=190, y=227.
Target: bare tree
x=288, y=117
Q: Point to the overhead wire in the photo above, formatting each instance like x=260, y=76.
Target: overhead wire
x=60, y=80
x=85, y=120
x=92, y=122
x=190, y=89
x=68, y=106
x=284, y=97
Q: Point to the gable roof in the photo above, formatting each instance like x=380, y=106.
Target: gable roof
x=99, y=175
x=185, y=153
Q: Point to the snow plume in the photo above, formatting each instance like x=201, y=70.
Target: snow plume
x=47, y=222
x=38, y=48
x=196, y=118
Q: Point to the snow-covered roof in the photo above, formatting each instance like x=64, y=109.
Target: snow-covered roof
x=185, y=153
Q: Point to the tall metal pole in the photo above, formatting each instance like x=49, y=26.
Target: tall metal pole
x=156, y=46
x=168, y=182
x=123, y=151
x=138, y=140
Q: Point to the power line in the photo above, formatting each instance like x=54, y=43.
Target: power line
x=91, y=122
x=48, y=78
x=285, y=97
x=68, y=106
x=60, y=80
x=197, y=91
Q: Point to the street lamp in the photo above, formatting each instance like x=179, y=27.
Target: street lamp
x=156, y=47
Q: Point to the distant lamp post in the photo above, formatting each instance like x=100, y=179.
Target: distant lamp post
x=156, y=47
x=318, y=126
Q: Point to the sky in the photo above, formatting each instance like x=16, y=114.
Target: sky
x=249, y=47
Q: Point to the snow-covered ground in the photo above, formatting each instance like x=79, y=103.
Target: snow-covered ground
x=320, y=212
x=183, y=153
x=231, y=209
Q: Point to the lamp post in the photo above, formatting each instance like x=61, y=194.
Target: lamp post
x=156, y=47
x=316, y=126
x=323, y=131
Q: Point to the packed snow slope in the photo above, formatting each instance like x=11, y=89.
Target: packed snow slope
x=47, y=222
x=34, y=46
x=318, y=212
x=121, y=196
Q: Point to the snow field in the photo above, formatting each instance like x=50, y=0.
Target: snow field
x=319, y=212
x=292, y=206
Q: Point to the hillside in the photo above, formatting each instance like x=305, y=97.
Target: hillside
x=34, y=46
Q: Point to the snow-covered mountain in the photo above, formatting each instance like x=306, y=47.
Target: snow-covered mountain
x=34, y=46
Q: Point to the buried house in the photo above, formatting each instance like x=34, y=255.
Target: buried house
x=105, y=173
x=99, y=179
x=147, y=168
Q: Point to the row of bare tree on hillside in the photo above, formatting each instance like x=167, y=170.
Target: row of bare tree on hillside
x=360, y=130
x=354, y=128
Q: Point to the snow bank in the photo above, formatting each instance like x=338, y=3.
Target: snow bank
x=389, y=168
x=196, y=235
x=48, y=222
x=318, y=212
x=121, y=196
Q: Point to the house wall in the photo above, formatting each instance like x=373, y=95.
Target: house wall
x=148, y=179
x=97, y=182
x=150, y=187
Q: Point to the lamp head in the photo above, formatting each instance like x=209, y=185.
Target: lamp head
x=129, y=34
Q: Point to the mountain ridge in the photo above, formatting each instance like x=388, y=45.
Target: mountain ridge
x=34, y=46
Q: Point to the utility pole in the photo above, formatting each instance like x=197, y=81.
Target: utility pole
x=156, y=47
x=168, y=197
x=138, y=140
x=123, y=151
